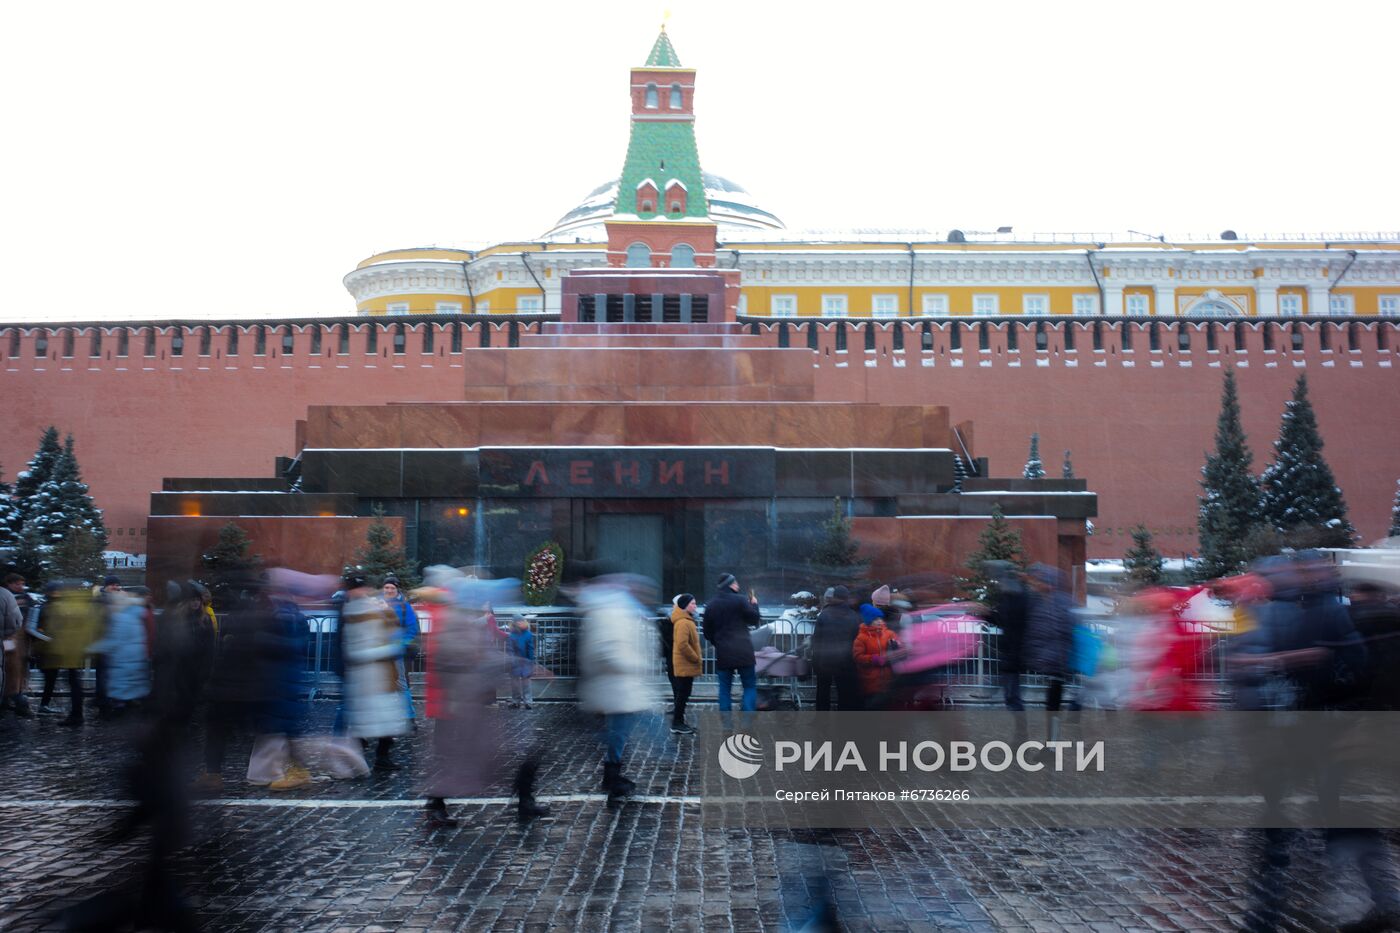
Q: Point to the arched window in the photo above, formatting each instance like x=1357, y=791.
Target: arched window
x=1210, y=309
x=638, y=256
x=676, y=97
x=682, y=256
x=675, y=207
x=653, y=100
x=647, y=207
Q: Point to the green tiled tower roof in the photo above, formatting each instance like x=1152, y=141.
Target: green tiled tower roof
x=663, y=54
x=662, y=149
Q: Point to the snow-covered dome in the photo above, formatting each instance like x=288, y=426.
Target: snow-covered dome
x=730, y=206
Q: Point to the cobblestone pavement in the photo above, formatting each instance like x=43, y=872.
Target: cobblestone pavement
x=355, y=855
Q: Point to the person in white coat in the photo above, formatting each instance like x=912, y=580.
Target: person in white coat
x=371, y=646
x=612, y=668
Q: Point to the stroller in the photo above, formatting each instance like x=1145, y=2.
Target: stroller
x=780, y=658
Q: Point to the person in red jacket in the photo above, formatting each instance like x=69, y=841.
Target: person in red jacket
x=874, y=650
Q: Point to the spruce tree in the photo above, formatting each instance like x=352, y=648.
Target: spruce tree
x=836, y=551
x=230, y=563
x=31, y=559
x=1394, y=531
x=1034, y=468
x=381, y=558
x=11, y=518
x=1300, y=498
x=1143, y=562
x=62, y=503
x=78, y=556
x=999, y=541
x=1067, y=469
x=39, y=470
x=1229, y=502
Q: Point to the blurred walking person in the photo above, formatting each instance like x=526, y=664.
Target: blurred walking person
x=612, y=668
x=1009, y=612
x=728, y=618
x=14, y=609
x=71, y=621
x=372, y=645
x=686, y=659
x=469, y=747
x=124, y=653
x=1049, y=637
x=833, y=644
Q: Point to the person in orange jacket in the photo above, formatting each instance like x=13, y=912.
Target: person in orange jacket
x=873, y=650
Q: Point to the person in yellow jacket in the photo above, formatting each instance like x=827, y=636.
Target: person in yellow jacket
x=685, y=658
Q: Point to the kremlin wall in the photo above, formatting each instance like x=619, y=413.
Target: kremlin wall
x=670, y=299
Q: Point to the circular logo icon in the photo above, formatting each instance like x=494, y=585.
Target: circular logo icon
x=741, y=756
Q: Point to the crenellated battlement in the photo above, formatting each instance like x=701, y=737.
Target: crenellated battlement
x=1071, y=342
x=254, y=345
x=954, y=342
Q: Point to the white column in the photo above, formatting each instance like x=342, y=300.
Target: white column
x=1318, y=302
x=1265, y=299
x=1164, y=299
x=1113, y=300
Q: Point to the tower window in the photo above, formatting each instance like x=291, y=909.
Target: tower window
x=652, y=100
x=676, y=103
x=638, y=256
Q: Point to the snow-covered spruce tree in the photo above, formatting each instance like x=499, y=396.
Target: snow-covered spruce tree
x=381, y=557
x=79, y=557
x=1143, y=562
x=230, y=563
x=1034, y=468
x=11, y=518
x=998, y=541
x=1229, y=502
x=1394, y=531
x=39, y=470
x=1300, y=497
x=61, y=503
x=1067, y=468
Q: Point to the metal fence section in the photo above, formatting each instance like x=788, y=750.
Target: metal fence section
x=976, y=677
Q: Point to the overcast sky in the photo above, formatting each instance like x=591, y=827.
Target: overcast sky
x=191, y=159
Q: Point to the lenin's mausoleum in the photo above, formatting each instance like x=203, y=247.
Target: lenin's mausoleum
x=670, y=382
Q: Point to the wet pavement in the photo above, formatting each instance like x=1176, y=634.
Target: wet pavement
x=356, y=854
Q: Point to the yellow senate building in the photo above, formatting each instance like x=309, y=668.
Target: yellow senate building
x=924, y=274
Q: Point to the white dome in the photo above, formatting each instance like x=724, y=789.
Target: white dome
x=730, y=206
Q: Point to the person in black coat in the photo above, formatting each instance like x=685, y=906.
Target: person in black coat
x=833, y=635
x=728, y=618
x=1050, y=632
x=1009, y=611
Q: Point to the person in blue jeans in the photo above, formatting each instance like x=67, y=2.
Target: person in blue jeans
x=729, y=616
x=408, y=634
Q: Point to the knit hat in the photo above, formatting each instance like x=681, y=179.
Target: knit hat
x=869, y=613
x=683, y=600
x=880, y=597
x=726, y=580
x=841, y=594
